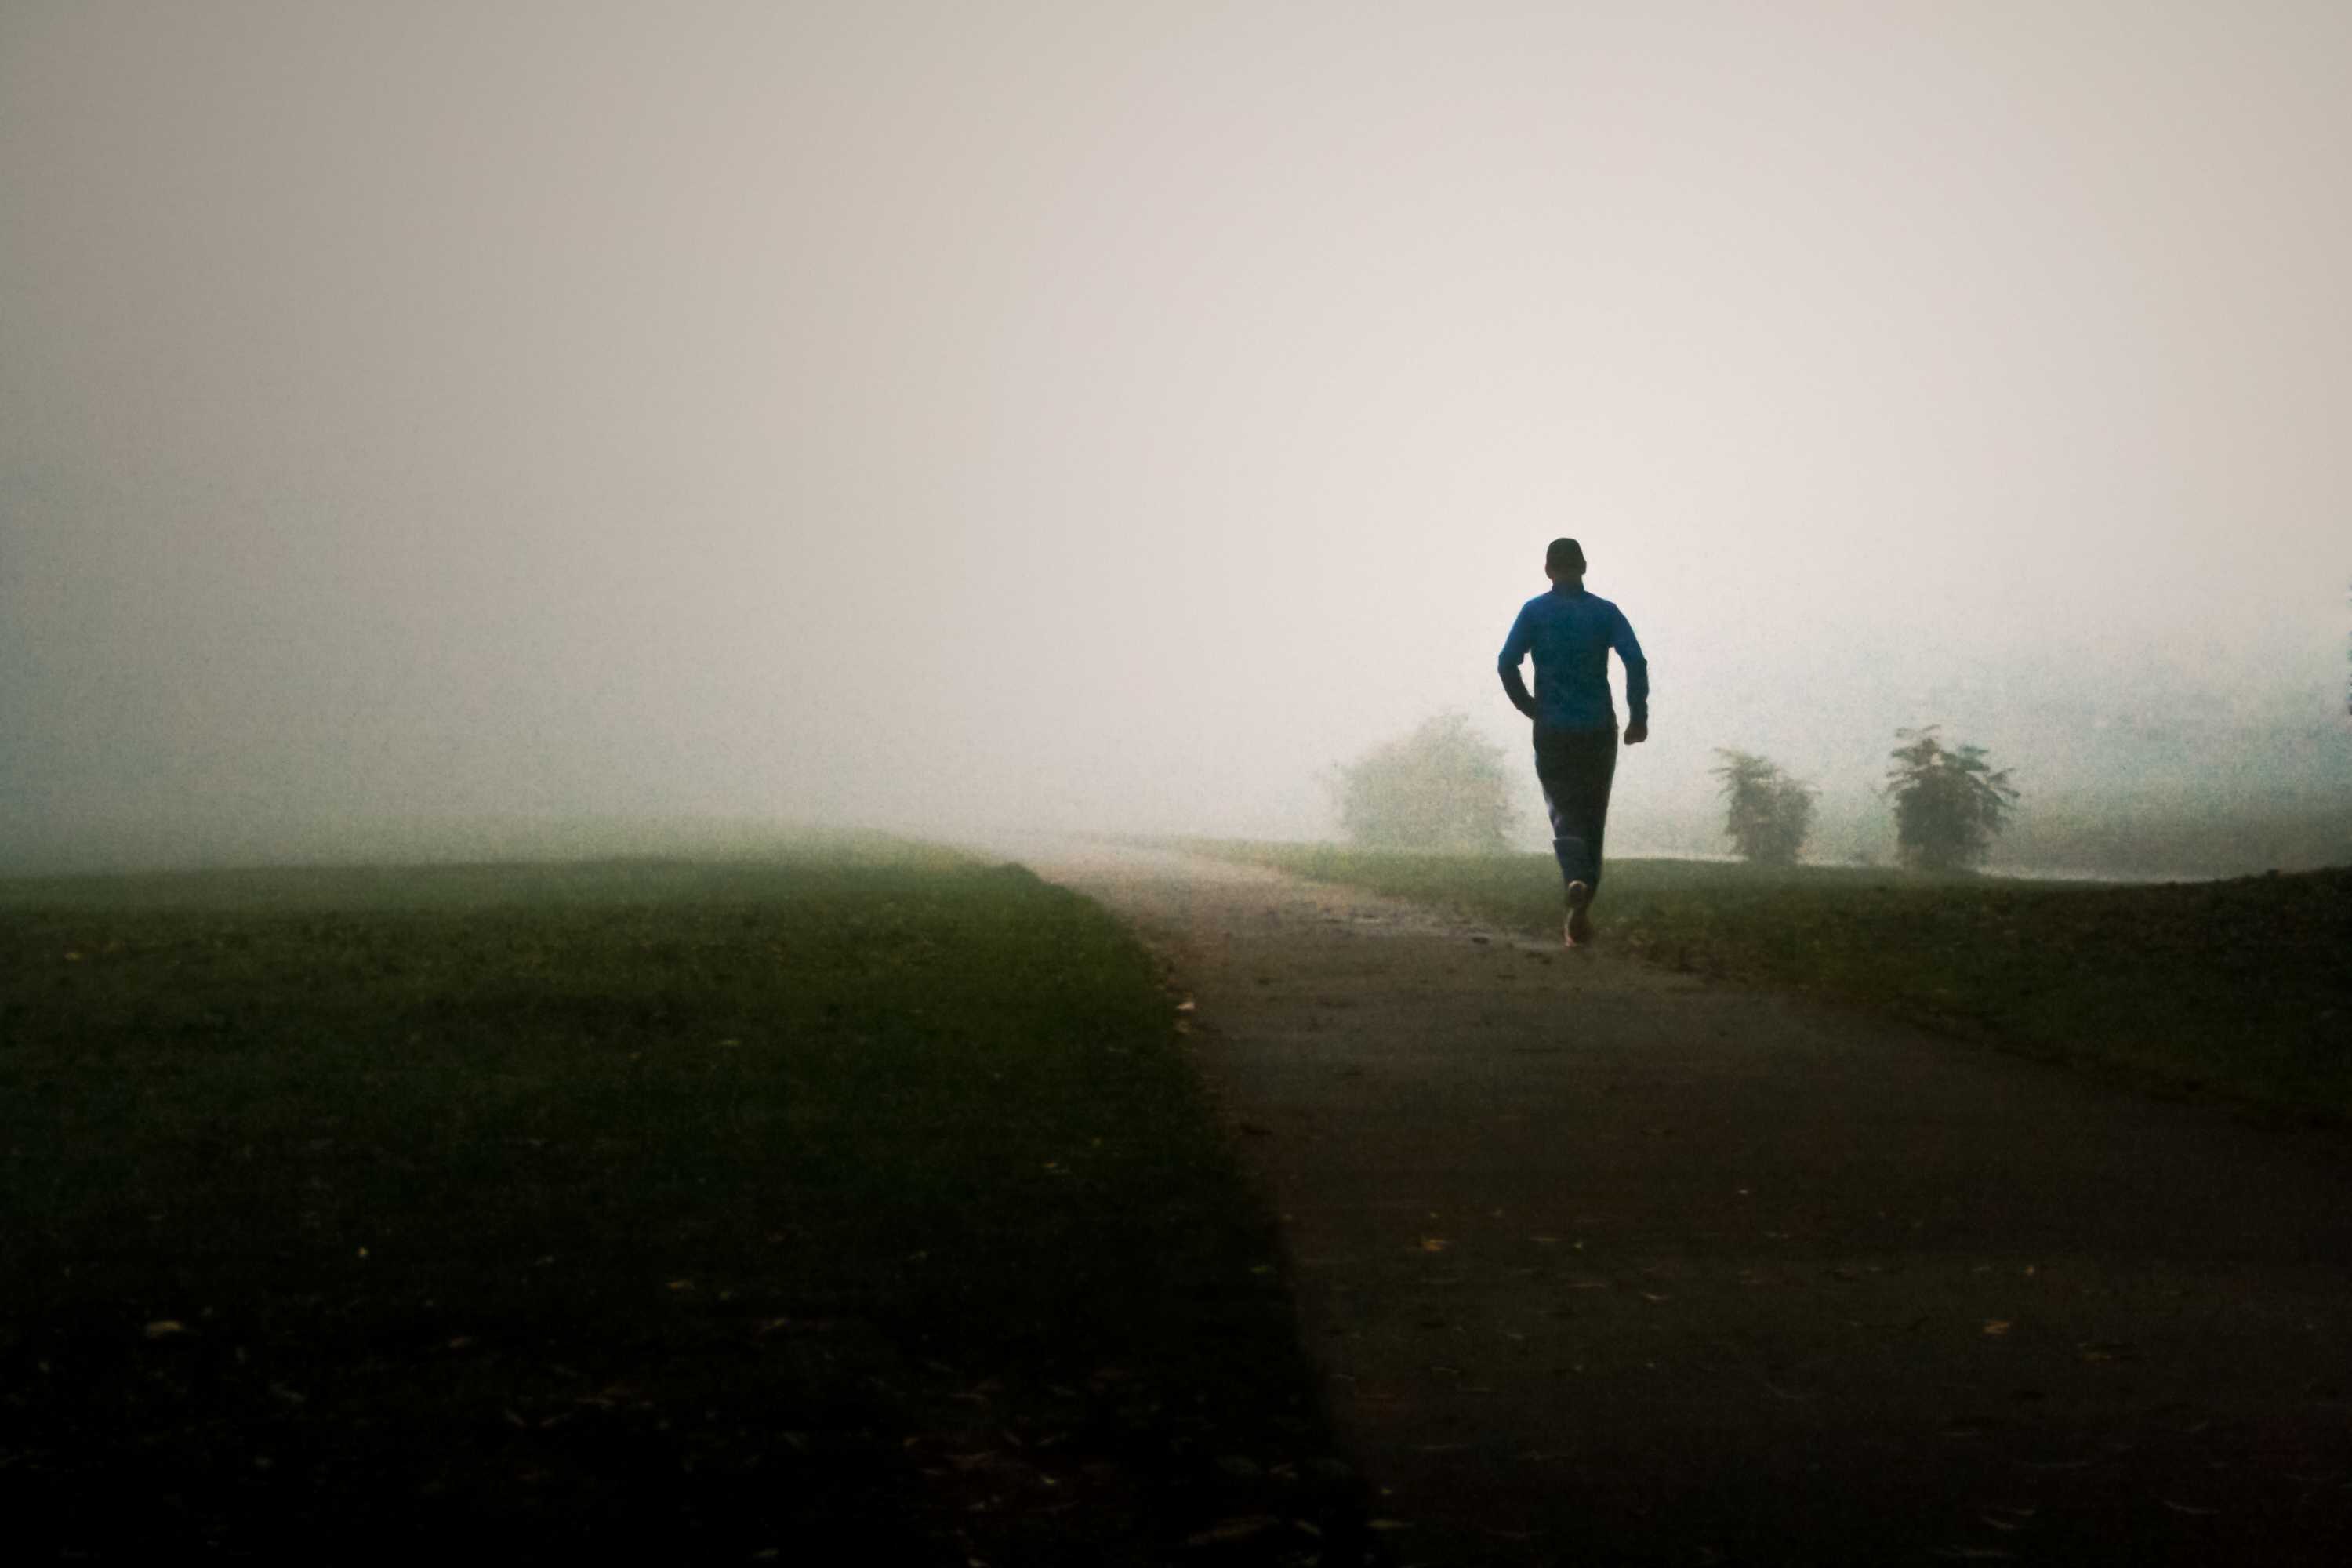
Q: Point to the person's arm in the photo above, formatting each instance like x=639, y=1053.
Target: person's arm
x=1637, y=680
x=1506, y=664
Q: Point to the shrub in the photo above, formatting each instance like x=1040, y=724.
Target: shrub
x=1766, y=814
x=1442, y=787
x=1949, y=804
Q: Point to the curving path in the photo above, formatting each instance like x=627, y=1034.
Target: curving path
x=1607, y=1265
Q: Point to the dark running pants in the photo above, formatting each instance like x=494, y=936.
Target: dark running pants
x=1575, y=768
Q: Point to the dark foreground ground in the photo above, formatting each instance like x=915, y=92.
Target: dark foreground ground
x=854, y=1206
x=1605, y=1263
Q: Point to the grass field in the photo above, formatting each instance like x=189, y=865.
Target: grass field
x=2239, y=988
x=702, y=1210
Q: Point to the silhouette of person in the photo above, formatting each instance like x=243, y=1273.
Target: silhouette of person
x=1570, y=633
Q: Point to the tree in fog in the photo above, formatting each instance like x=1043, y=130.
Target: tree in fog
x=1442, y=787
x=1766, y=814
x=1949, y=803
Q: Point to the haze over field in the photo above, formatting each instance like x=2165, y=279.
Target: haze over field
x=1109, y=416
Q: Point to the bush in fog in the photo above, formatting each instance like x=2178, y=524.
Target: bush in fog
x=1440, y=787
x=1949, y=803
x=1766, y=814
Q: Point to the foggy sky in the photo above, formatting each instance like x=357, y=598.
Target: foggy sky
x=1111, y=415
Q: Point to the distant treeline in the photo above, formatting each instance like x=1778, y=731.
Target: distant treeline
x=2085, y=836
x=2223, y=840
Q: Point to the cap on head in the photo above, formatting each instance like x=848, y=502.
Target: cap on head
x=1564, y=555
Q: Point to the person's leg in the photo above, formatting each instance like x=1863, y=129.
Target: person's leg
x=1563, y=802
x=1600, y=764
x=1575, y=768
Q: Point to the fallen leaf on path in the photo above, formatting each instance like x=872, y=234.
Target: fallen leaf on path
x=1234, y=1529
x=1433, y=1243
x=1996, y=1326
x=164, y=1327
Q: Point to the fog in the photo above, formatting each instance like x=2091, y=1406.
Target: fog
x=955, y=417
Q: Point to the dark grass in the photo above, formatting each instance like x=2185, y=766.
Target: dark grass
x=2241, y=989
x=705, y=1210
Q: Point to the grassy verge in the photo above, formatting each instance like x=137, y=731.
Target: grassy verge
x=2242, y=988
x=706, y=1210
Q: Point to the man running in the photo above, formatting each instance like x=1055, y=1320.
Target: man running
x=1571, y=632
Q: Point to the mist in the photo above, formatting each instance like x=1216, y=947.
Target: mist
x=434, y=428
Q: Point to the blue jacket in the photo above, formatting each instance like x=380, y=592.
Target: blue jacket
x=1571, y=632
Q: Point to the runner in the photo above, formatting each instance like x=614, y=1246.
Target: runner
x=1569, y=632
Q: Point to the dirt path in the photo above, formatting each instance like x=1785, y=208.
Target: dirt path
x=1609, y=1264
